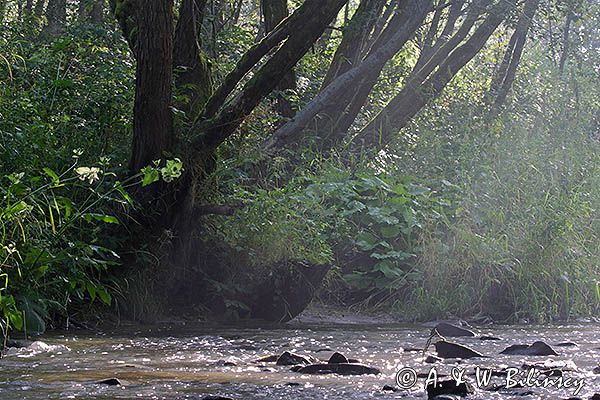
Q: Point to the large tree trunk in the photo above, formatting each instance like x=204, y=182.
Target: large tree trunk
x=2, y=10
x=91, y=11
x=152, y=116
x=254, y=55
x=415, y=95
x=403, y=27
x=429, y=50
x=432, y=43
x=508, y=70
x=192, y=68
x=274, y=12
x=266, y=79
x=351, y=48
x=56, y=16
x=566, y=42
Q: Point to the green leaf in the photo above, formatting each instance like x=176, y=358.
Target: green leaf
x=150, y=175
x=383, y=216
x=109, y=219
x=16, y=319
x=389, y=232
x=396, y=255
x=53, y=175
x=105, y=297
x=63, y=83
x=91, y=290
x=366, y=241
x=353, y=207
x=389, y=270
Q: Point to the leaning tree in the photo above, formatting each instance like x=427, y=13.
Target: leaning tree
x=170, y=59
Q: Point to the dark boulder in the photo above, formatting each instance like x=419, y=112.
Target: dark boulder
x=286, y=292
x=448, y=387
x=432, y=359
x=287, y=358
x=341, y=369
x=536, y=349
x=388, y=388
x=489, y=338
x=453, y=350
x=110, y=382
x=337, y=358
x=449, y=330
x=567, y=344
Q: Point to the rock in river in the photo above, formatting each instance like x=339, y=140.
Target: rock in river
x=388, y=388
x=341, y=369
x=110, y=382
x=454, y=350
x=432, y=359
x=287, y=358
x=449, y=387
x=337, y=358
x=536, y=349
x=567, y=344
x=489, y=338
x=446, y=329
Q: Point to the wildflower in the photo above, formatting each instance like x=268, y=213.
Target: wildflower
x=90, y=174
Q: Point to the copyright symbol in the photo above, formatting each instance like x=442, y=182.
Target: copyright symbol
x=406, y=378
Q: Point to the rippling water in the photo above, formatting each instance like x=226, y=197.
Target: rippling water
x=192, y=362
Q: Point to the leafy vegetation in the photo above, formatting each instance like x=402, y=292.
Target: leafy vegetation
x=424, y=194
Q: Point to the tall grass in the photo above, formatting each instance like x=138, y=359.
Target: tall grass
x=525, y=240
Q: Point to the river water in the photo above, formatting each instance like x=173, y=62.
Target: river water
x=191, y=362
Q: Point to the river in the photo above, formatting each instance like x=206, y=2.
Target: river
x=197, y=360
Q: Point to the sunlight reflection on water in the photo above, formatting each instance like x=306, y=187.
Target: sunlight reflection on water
x=192, y=362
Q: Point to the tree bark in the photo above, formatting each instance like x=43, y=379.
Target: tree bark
x=125, y=11
x=507, y=73
x=2, y=10
x=365, y=87
x=412, y=15
x=97, y=12
x=432, y=43
x=38, y=10
x=192, y=68
x=349, y=51
x=56, y=16
x=91, y=11
x=415, y=95
x=152, y=118
x=274, y=12
x=216, y=130
x=254, y=55
x=382, y=21
x=566, y=42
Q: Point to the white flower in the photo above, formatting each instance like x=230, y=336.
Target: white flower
x=89, y=174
